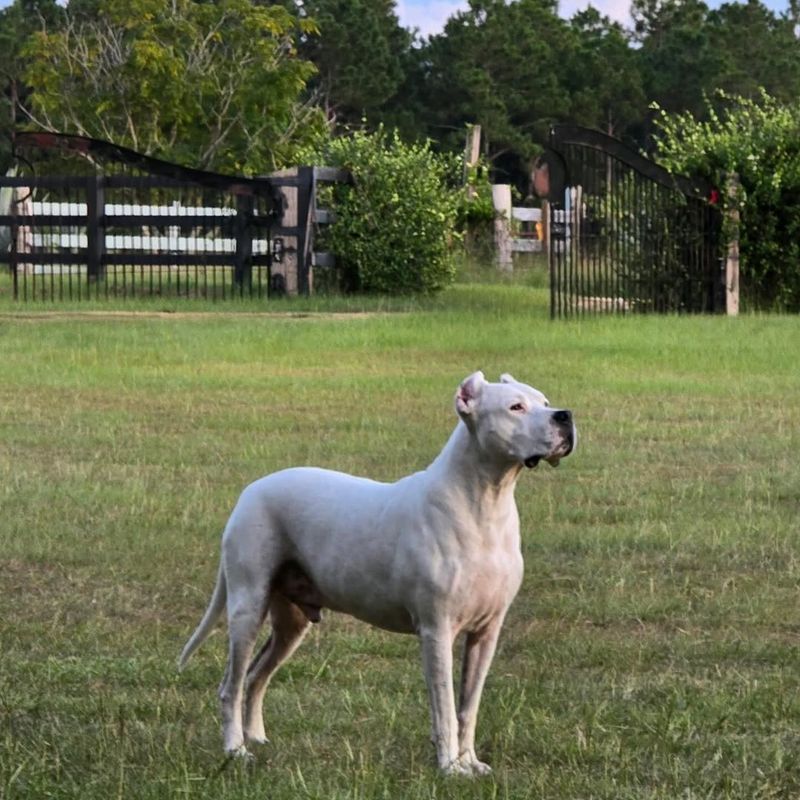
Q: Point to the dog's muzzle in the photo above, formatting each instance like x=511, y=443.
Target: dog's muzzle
x=563, y=421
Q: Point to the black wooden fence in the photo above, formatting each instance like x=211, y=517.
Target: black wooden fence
x=85, y=219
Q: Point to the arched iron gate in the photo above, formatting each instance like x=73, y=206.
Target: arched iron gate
x=625, y=234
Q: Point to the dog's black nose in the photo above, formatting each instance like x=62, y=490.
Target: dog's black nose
x=563, y=417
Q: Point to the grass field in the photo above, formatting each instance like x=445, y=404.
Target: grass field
x=652, y=652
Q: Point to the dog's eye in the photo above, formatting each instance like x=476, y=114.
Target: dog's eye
x=517, y=407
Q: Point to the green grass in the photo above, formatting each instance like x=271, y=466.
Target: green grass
x=652, y=651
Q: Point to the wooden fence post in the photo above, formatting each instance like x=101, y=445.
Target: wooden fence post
x=501, y=199
x=732, y=260
x=546, y=226
x=243, y=257
x=287, y=182
x=471, y=155
x=95, y=230
x=306, y=192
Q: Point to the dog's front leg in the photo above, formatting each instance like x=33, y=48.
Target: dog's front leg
x=437, y=661
x=479, y=650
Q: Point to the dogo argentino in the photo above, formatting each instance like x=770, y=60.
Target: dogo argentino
x=437, y=553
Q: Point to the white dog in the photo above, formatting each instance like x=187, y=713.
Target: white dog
x=434, y=554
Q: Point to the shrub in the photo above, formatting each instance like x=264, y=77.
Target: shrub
x=475, y=212
x=394, y=226
x=760, y=141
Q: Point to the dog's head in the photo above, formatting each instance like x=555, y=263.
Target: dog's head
x=514, y=421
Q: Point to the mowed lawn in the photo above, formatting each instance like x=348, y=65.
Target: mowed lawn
x=654, y=649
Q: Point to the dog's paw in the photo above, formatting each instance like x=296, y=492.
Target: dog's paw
x=240, y=753
x=468, y=765
x=457, y=767
x=480, y=768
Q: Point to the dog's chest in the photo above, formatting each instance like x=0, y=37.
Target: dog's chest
x=484, y=585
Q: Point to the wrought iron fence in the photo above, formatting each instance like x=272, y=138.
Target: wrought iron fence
x=86, y=219
x=625, y=234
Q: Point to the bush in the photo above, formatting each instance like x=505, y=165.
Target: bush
x=760, y=141
x=395, y=224
x=475, y=213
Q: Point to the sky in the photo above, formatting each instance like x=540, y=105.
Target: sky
x=429, y=16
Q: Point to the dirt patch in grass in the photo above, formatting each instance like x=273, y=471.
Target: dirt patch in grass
x=96, y=316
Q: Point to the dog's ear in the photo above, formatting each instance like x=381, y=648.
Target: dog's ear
x=508, y=378
x=468, y=394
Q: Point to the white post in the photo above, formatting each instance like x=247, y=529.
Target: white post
x=501, y=198
x=472, y=151
x=732, y=260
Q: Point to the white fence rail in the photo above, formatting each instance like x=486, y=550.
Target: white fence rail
x=530, y=236
x=153, y=238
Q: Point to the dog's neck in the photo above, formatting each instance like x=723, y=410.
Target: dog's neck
x=483, y=481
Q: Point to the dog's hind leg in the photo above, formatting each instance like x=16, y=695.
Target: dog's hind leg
x=247, y=601
x=289, y=626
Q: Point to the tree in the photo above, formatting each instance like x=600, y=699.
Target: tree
x=757, y=50
x=212, y=85
x=677, y=59
x=17, y=23
x=500, y=65
x=359, y=55
x=603, y=80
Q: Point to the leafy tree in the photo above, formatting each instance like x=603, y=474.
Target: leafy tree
x=677, y=59
x=213, y=85
x=756, y=49
x=759, y=140
x=499, y=65
x=17, y=23
x=603, y=81
x=359, y=56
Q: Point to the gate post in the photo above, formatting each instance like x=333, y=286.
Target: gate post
x=243, y=258
x=95, y=229
x=732, y=235
x=306, y=190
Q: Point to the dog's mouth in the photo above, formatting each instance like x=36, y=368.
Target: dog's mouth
x=533, y=461
x=554, y=458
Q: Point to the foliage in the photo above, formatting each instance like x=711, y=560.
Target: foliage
x=211, y=85
x=358, y=55
x=499, y=64
x=395, y=224
x=17, y=22
x=759, y=140
x=614, y=97
x=676, y=58
x=476, y=206
x=756, y=49
x=241, y=85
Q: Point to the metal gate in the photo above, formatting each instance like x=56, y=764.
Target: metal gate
x=115, y=223
x=625, y=235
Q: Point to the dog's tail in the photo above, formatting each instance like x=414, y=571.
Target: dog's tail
x=215, y=607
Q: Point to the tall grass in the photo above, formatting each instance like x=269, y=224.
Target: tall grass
x=652, y=652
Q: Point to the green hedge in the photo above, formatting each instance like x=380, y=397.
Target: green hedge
x=395, y=224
